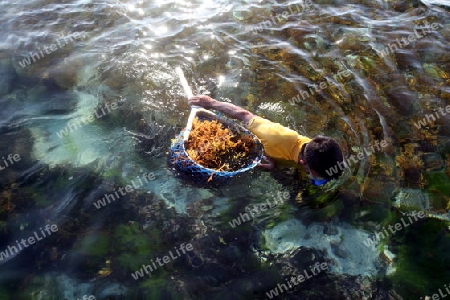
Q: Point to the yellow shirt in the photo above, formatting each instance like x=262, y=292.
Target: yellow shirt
x=278, y=141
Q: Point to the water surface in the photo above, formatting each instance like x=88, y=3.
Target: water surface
x=91, y=101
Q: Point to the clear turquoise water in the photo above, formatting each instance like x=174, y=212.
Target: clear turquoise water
x=107, y=68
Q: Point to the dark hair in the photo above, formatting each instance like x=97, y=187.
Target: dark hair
x=323, y=153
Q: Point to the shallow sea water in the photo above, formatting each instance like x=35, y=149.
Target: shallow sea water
x=90, y=102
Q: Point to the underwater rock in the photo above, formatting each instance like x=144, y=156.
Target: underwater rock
x=411, y=165
x=407, y=59
x=339, y=251
x=412, y=199
x=65, y=72
x=40, y=66
x=433, y=162
x=62, y=286
x=53, y=285
x=7, y=76
x=176, y=195
x=208, y=272
x=17, y=142
x=352, y=256
x=116, y=80
x=152, y=137
x=432, y=52
x=241, y=14
x=298, y=34
x=108, y=290
x=72, y=288
x=387, y=255
x=402, y=99
x=377, y=186
x=351, y=42
x=404, y=5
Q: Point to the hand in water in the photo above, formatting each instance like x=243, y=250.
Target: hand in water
x=269, y=164
x=201, y=100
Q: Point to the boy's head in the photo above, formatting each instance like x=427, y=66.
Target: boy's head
x=322, y=155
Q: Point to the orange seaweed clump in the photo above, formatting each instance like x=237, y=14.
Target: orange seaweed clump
x=214, y=146
x=411, y=165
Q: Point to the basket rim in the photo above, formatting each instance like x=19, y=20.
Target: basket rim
x=230, y=123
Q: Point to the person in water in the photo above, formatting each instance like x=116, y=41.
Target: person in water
x=319, y=156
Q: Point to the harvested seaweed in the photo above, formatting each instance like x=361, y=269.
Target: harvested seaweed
x=215, y=146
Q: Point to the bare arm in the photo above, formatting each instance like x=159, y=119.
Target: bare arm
x=229, y=109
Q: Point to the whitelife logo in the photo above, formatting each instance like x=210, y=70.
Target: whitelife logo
x=128, y=189
x=411, y=38
x=321, y=86
x=393, y=229
x=166, y=259
x=432, y=118
x=31, y=240
x=279, y=18
x=53, y=47
x=258, y=209
x=438, y=296
x=297, y=280
x=346, y=163
x=76, y=124
x=11, y=158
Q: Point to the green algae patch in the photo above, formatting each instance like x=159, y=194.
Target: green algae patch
x=134, y=246
x=4, y=295
x=375, y=213
x=283, y=216
x=95, y=248
x=329, y=211
x=95, y=245
x=422, y=258
x=159, y=288
x=438, y=188
x=327, y=201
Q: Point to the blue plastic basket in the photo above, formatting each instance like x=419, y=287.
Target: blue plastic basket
x=188, y=169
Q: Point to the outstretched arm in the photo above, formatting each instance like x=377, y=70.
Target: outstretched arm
x=229, y=109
